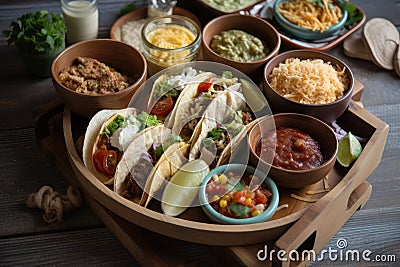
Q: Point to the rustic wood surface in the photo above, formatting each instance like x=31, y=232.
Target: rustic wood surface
x=82, y=239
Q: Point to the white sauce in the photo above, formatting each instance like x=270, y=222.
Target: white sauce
x=81, y=19
x=122, y=137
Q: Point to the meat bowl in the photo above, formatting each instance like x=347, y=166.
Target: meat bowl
x=295, y=150
x=98, y=74
x=308, y=82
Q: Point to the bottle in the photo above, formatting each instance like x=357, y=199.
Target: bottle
x=81, y=18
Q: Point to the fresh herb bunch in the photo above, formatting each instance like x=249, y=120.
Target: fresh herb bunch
x=35, y=33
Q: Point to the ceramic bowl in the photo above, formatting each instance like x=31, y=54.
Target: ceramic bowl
x=247, y=23
x=326, y=112
x=304, y=33
x=123, y=57
x=217, y=217
x=317, y=129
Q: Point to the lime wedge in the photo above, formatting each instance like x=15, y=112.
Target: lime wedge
x=253, y=95
x=349, y=150
x=182, y=189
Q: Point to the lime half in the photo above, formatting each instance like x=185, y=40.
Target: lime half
x=349, y=150
x=182, y=189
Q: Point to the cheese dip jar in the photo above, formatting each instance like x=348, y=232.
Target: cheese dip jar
x=81, y=18
x=170, y=40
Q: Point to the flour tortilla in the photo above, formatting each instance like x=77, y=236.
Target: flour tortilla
x=97, y=125
x=142, y=143
x=170, y=162
x=216, y=113
x=175, y=121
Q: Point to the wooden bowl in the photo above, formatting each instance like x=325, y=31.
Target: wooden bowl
x=247, y=23
x=124, y=58
x=325, y=112
x=317, y=129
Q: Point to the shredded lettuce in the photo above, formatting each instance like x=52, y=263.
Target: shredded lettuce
x=118, y=122
x=173, y=138
x=146, y=120
x=236, y=125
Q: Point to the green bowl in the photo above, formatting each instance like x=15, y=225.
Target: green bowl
x=238, y=168
x=304, y=33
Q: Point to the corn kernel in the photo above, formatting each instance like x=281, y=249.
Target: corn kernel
x=248, y=201
x=231, y=174
x=223, y=203
x=215, y=178
x=260, y=207
x=226, y=197
x=255, y=213
x=223, y=179
x=215, y=197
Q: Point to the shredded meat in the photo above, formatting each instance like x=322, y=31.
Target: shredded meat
x=136, y=180
x=89, y=76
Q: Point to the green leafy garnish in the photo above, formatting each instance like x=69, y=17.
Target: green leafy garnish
x=236, y=125
x=118, y=122
x=214, y=135
x=146, y=120
x=239, y=210
x=163, y=88
x=227, y=74
x=35, y=33
x=354, y=16
x=320, y=3
x=173, y=138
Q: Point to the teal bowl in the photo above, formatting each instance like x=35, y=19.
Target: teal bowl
x=217, y=217
x=304, y=33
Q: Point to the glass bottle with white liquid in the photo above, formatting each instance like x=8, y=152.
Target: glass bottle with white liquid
x=81, y=18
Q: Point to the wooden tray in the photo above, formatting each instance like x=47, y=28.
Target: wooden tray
x=307, y=231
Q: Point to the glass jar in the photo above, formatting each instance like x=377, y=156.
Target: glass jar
x=170, y=40
x=81, y=18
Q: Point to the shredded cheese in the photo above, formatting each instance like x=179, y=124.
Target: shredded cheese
x=309, y=81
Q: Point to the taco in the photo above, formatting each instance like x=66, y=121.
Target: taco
x=167, y=89
x=194, y=100
x=105, y=145
x=221, y=129
x=170, y=162
x=145, y=152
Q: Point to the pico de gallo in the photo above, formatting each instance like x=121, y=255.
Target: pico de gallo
x=230, y=195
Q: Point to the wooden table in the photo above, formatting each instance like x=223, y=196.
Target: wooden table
x=82, y=239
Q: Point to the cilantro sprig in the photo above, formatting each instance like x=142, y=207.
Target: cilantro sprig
x=36, y=33
x=239, y=210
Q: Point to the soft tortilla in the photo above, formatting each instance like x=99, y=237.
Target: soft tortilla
x=96, y=126
x=221, y=108
x=169, y=163
x=133, y=153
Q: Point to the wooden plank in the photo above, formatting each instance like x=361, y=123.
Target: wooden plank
x=24, y=170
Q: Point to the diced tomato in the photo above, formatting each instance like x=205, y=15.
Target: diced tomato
x=105, y=161
x=163, y=107
x=204, y=86
x=260, y=197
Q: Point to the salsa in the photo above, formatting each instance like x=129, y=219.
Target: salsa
x=239, y=46
x=230, y=195
x=294, y=149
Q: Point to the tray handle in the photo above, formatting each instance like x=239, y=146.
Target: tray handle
x=42, y=116
x=320, y=223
